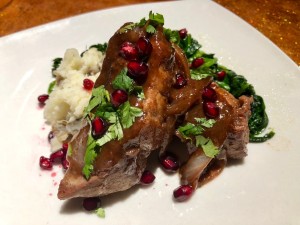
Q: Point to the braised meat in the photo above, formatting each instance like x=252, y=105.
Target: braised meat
x=170, y=93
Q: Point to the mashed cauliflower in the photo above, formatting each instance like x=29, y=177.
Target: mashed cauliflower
x=66, y=103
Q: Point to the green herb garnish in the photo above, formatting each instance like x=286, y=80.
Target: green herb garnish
x=126, y=28
x=100, y=212
x=190, y=130
x=89, y=157
x=56, y=63
x=124, y=82
x=128, y=114
x=51, y=87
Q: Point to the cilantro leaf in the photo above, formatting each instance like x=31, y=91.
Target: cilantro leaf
x=156, y=19
x=128, y=114
x=100, y=96
x=150, y=29
x=100, y=47
x=126, y=28
x=114, y=132
x=209, y=149
x=100, y=212
x=51, y=87
x=142, y=22
x=191, y=129
x=89, y=157
x=124, y=82
x=208, y=123
x=56, y=63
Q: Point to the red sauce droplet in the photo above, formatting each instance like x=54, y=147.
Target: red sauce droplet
x=53, y=174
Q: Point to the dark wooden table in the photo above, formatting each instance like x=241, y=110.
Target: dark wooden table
x=276, y=19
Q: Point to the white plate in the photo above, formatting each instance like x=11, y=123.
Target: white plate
x=264, y=189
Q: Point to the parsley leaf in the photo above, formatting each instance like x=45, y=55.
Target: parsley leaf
x=128, y=114
x=142, y=22
x=89, y=157
x=100, y=212
x=114, y=132
x=209, y=149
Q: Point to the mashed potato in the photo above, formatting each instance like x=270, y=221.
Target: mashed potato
x=66, y=103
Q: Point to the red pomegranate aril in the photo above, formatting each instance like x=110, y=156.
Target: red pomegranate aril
x=98, y=127
x=45, y=163
x=197, y=63
x=209, y=94
x=221, y=75
x=50, y=136
x=58, y=155
x=65, y=146
x=183, y=33
x=180, y=81
x=88, y=84
x=129, y=51
x=147, y=177
x=91, y=203
x=118, y=97
x=43, y=98
x=183, y=192
x=169, y=162
x=138, y=71
x=65, y=164
x=144, y=47
x=211, y=110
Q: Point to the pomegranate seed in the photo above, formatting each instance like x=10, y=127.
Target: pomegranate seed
x=147, y=177
x=221, y=75
x=58, y=155
x=88, y=84
x=180, y=81
x=118, y=97
x=209, y=94
x=98, y=127
x=197, y=63
x=129, y=51
x=45, y=163
x=144, y=47
x=65, y=163
x=183, y=192
x=43, y=98
x=211, y=110
x=91, y=203
x=169, y=162
x=65, y=146
x=182, y=33
x=137, y=71
x=50, y=136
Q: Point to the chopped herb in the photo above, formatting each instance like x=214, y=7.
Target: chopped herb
x=51, y=86
x=70, y=150
x=208, y=147
x=114, y=132
x=126, y=28
x=191, y=129
x=156, y=19
x=100, y=96
x=195, y=130
x=150, y=29
x=124, y=82
x=128, y=114
x=56, y=63
x=89, y=157
x=142, y=22
x=100, y=212
x=100, y=47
